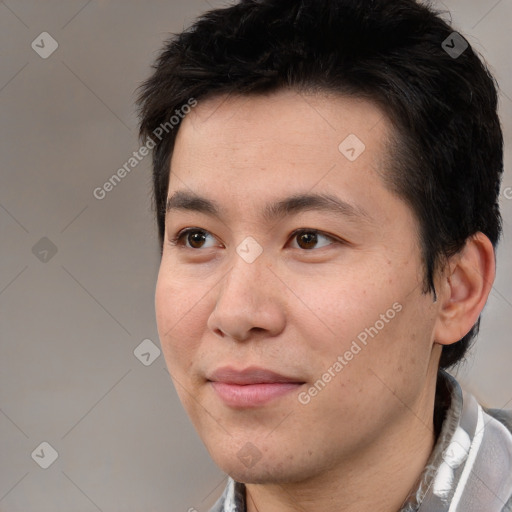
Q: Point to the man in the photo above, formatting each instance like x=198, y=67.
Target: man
x=327, y=205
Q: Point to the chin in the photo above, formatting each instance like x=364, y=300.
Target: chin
x=261, y=471
x=259, y=476
x=252, y=476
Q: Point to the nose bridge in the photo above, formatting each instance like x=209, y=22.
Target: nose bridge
x=246, y=299
x=246, y=275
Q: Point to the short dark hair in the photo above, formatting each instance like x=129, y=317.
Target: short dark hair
x=447, y=156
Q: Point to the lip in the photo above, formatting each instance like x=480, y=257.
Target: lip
x=252, y=386
x=250, y=375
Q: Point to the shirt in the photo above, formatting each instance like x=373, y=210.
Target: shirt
x=469, y=469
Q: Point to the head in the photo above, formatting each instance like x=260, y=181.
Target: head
x=273, y=88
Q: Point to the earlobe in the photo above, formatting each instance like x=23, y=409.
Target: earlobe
x=464, y=288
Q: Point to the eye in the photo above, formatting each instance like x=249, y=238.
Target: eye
x=309, y=238
x=306, y=239
x=193, y=238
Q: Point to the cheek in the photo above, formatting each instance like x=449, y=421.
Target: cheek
x=345, y=306
x=394, y=364
x=371, y=319
x=180, y=315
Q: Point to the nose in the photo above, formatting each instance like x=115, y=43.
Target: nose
x=249, y=304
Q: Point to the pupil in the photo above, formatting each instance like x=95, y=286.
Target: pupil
x=196, y=238
x=309, y=239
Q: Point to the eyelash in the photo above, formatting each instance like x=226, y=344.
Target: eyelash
x=178, y=239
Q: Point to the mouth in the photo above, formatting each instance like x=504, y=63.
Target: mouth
x=251, y=387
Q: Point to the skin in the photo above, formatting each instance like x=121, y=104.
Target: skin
x=363, y=440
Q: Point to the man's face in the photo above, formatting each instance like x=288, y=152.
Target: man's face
x=336, y=309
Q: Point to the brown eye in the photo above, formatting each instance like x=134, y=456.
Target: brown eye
x=193, y=238
x=196, y=239
x=309, y=239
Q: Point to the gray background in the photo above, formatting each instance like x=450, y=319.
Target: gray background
x=70, y=321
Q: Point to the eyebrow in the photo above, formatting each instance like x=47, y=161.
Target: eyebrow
x=189, y=201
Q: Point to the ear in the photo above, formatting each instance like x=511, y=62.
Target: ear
x=463, y=289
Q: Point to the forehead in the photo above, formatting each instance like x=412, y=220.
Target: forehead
x=284, y=116
x=245, y=147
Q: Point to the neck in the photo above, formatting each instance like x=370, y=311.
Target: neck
x=378, y=478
